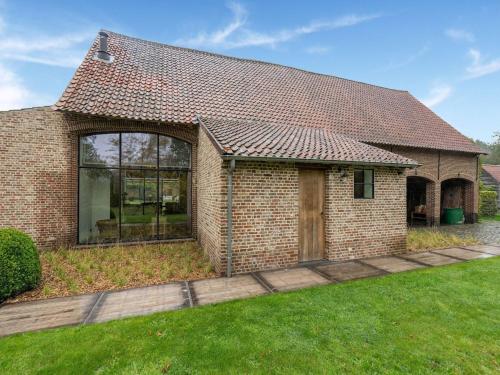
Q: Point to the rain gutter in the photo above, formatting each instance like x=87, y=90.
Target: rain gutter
x=230, y=170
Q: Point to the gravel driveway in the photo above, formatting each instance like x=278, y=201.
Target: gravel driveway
x=486, y=232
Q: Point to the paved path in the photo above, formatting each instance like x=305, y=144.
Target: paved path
x=100, y=307
x=486, y=232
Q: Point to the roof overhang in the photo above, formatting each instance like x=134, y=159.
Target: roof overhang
x=317, y=161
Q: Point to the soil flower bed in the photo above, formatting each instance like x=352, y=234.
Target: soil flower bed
x=67, y=272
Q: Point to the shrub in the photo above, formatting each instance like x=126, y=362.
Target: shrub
x=19, y=263
x=488, y=203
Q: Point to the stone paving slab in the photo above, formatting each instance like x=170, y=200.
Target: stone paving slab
x=490, y=249
x=430, y=259
x=138, y=301
x=49, y=313
x=294, y=278
x=225, y=289
x=392, y=264
x=349, y=270
x=462, y=253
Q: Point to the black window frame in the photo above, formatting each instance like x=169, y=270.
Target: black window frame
x=364, y=183
x=121, y=167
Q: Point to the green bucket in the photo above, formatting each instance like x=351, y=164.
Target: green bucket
x=453, y=215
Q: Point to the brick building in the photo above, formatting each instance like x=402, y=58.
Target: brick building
x=265, y=165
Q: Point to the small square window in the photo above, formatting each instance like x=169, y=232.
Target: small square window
x=363, y=183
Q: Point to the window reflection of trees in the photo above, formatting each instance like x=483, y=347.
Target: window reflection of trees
x=162, y=190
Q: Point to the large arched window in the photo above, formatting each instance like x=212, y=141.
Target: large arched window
x=133, y=187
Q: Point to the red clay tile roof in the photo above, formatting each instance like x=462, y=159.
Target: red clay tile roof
x=157, y=82
x=493, y=171
x=252, y=139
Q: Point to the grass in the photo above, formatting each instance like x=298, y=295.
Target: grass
x=430, y=238
x=438, y=320
x=490, y=218
x=76, y=271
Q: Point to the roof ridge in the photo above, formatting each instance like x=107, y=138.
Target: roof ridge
x=251, y=61
x=25, y=108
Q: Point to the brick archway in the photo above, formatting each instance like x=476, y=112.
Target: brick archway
x=420, y=200
x=458, y=192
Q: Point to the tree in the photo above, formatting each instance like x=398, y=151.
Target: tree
x=493, y=148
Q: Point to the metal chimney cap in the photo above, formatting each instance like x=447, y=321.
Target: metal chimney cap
x=102, y=53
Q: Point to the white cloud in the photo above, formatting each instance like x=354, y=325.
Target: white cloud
x=65, y=51
x=478, y=67
x=45, y=43
x=26, y=45
x=460, y=35
x=220, y=36
x=13, y=94
x=236, y=35
x=2, y=24
x=437, y=95
x=317, y=50
x=56, y=58
x=410, y=59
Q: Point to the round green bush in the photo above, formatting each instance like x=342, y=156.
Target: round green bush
x=19, y=263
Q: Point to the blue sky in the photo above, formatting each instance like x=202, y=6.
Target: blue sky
x=447, y=54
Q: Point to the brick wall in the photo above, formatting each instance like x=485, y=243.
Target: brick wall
x=358, y=228
x=210, y=203
x=266, y=216
x=439, y=166
x=38, y=193
x=37, y=179
x=39, y=174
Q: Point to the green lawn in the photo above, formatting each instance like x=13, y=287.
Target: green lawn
x=490, y=218
x=437, y=320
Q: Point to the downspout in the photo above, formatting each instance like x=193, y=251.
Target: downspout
x=232, y=166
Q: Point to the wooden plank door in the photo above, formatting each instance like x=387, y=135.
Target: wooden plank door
x=311, y=207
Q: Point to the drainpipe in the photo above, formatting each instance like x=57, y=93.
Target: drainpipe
x=232, y=166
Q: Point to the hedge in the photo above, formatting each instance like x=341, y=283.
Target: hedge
x=488, y=203
x=20, y=268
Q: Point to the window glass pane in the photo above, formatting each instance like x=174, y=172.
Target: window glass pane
x=175, y=204
x=368, y=176
x=138, y=205
x=105, y=201
x=174, y=152
x=358, y=190
x=139, y=150
x=368, y=191
x=358, y=176
x=99, y=150
x=99, y=202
